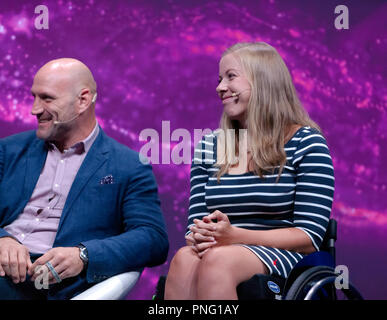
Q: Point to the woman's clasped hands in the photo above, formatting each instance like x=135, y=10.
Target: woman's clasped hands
x=213, y=230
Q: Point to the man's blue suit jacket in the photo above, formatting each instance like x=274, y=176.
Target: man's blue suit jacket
x=121, y=224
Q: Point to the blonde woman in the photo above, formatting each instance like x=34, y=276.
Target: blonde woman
x=264, y=200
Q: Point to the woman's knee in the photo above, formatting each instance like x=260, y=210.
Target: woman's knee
x=232, y=263
x=214, y=263
x=213, y=257
x=184, y=258
x=181, y=274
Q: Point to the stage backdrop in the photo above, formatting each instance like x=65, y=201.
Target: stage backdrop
x=157, y=61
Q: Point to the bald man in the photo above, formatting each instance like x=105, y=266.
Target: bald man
x=76, y=207
x=64, y=82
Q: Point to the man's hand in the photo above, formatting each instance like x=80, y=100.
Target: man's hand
x=14, y=259
x=66, y=262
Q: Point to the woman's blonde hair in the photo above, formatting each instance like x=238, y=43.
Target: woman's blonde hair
x=272, y=110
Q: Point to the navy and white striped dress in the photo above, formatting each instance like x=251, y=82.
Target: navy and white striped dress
x=302, y=198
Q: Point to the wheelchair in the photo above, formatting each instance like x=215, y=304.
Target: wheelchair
x=312, y=278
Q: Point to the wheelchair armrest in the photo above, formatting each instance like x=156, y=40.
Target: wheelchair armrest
x=114, y=288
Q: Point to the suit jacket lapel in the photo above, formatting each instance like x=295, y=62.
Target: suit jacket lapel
x=36, y=157
x=94, y=159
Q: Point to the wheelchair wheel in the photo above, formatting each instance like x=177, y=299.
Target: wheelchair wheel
x=318, y=282
x=299, y=288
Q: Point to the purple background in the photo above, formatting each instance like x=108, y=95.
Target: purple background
x=158, y=60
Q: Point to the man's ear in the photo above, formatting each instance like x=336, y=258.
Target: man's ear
x=85, y=100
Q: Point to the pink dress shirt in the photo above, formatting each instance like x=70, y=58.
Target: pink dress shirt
x=37, y=225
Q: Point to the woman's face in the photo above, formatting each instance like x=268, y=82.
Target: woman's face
x=234, y=88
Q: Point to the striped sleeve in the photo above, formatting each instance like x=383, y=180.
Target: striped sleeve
x=314, y=187
x=202, y=161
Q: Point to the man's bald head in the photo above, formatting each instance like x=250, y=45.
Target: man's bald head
x=70, y=73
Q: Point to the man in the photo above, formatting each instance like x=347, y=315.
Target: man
x=72, y=199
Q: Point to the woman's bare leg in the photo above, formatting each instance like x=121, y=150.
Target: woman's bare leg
x=222, y=269
x=181, y=283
